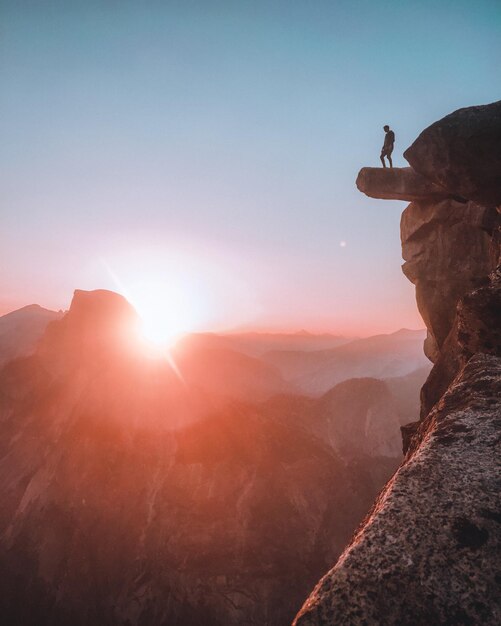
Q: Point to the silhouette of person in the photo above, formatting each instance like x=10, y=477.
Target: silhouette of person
x=387, y=149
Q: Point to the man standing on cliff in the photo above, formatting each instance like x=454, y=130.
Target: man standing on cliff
x=387, y=148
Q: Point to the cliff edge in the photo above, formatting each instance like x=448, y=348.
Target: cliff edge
x=429, y=551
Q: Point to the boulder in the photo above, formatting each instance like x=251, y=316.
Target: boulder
x=398, y=183
x=462, y=153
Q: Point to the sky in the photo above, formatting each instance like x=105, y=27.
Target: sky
x=200, y=157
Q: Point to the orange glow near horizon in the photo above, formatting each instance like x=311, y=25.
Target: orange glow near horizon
x=178, y=292
x=167, y=309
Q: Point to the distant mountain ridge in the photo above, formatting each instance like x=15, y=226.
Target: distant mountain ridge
x=252, y=365
x=20, y=330
x=380, y=356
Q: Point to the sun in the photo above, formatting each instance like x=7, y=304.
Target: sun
x=168, y=310
x=162, y=328
x=178, y=290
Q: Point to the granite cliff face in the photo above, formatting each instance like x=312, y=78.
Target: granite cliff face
x=429, y=551
x=435, y=236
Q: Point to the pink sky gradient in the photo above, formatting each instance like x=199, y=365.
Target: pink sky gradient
x=220, y=148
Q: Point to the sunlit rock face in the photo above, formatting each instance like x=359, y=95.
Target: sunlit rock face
x=429, y=551
x=131, y=496
x=462, y=153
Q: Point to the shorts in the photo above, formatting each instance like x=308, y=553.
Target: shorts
x=386, y=151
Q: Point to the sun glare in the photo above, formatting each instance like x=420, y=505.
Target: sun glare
x=178, y=292
x=167, y=311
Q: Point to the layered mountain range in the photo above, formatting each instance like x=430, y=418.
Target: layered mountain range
x=200, y=489
x=429, y=550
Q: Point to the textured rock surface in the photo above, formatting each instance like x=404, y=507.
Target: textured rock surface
x=476, y=329
x=429, y=551
x=462, y=153
x=398, y=183
x=447, y=251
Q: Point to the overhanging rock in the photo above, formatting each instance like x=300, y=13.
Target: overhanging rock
x=398, y=183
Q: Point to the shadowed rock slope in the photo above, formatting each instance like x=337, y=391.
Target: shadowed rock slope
x=429, y=551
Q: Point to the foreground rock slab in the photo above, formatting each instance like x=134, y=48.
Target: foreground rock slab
x=429, y=551
x=398, y=183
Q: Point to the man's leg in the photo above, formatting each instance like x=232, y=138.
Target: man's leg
x=382, y=160
x=389, y=159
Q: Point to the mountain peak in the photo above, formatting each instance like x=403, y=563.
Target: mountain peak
x=98, y=323
x=100, y=302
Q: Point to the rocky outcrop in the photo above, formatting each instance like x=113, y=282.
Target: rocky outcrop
x=429, y=551
x=461, y=153
x=476, y=329
x=449, y=249
x=449, y=246
x=398, y=183
x=435, y=236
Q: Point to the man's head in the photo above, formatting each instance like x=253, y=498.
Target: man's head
x=386, y=128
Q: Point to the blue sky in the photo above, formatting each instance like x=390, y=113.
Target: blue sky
x=232, y=131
